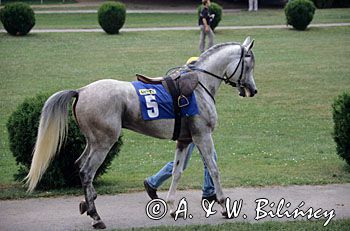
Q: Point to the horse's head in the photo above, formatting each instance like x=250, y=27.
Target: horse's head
x=240, y=75
x=231, y=63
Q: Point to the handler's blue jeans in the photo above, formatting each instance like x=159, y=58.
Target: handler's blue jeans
x=166, y=172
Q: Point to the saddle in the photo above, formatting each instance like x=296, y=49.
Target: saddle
x=180, y=85
x=185, y=82
x=149, y=80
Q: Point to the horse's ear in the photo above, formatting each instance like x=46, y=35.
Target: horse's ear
x=251, y=44
x=248, y=43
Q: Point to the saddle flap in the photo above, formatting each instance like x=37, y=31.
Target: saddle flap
x=149, y=80
x=187, y=83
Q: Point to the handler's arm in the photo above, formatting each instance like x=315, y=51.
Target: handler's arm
x=205, y=23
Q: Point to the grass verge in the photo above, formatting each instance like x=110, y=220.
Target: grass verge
x=334, y=225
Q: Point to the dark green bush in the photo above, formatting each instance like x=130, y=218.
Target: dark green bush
x=22, y=128
x=323, y=3
x=17, y=18
x=299, y=13
x=341, y=119
x=216, y=9
x=111, y=17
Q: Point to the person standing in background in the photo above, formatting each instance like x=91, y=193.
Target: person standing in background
x=204, y=23
x=253, y=5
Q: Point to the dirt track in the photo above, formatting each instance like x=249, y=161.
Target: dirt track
x=128, y=210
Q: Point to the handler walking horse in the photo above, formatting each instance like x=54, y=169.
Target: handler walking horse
x=104, y=107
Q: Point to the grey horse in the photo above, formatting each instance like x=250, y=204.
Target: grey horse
x=104, y=107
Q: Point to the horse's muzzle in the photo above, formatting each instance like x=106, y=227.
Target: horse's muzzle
x=247, y=92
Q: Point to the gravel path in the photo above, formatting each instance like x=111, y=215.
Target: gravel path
x=128, y=210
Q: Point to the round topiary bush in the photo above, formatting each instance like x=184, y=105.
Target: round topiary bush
x=111, y=17
x=17, y=18
x=216, y=9
x=299, y=13
x=341, y=119
x=22, y=128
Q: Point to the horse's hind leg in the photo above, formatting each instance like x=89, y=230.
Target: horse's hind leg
x=100, y=141
x=97, y=155
x=79, y=163
x=81, y=160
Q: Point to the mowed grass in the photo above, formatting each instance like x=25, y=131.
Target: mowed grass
x=334, y=225
x=280, y=137
x=141, y=20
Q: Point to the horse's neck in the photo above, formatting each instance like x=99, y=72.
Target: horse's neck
x=215, y=64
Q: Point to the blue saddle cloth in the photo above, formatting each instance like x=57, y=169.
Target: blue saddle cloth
x=157, y=103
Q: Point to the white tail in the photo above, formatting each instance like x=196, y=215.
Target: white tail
x=52, y=131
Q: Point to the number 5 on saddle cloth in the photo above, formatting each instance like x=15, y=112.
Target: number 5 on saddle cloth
x=170, y=97
x=157, y=103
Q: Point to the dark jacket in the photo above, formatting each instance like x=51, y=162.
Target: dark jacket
x=205, y=13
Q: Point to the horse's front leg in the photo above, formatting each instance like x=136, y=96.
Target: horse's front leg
x=180, y=157
x=206, y=147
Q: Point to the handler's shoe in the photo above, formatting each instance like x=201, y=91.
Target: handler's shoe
x=211, y=198
x=152, y=193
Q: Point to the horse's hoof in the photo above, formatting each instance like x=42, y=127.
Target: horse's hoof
x=225, y=214
x=82, y=207
x=98, y=224
x=173, y=215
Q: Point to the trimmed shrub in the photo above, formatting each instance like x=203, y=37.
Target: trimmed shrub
x=216, y=9
x=341, y=119
x=22, y=128
x=299, y=13
x=111, y=17
x=17, y=18
x=323, y=3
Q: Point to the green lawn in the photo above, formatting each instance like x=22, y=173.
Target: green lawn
x=135, y=20
x=263, y=17
x=334, y=225
x=280, y=137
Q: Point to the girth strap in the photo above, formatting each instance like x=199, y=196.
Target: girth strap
x=177, y=111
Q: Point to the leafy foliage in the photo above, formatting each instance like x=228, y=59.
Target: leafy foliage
x=111, y=17
x=299, y=13
x=22, y=127
x=341, y=118
x=17, y=18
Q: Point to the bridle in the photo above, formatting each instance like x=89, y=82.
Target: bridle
x=226, y=78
